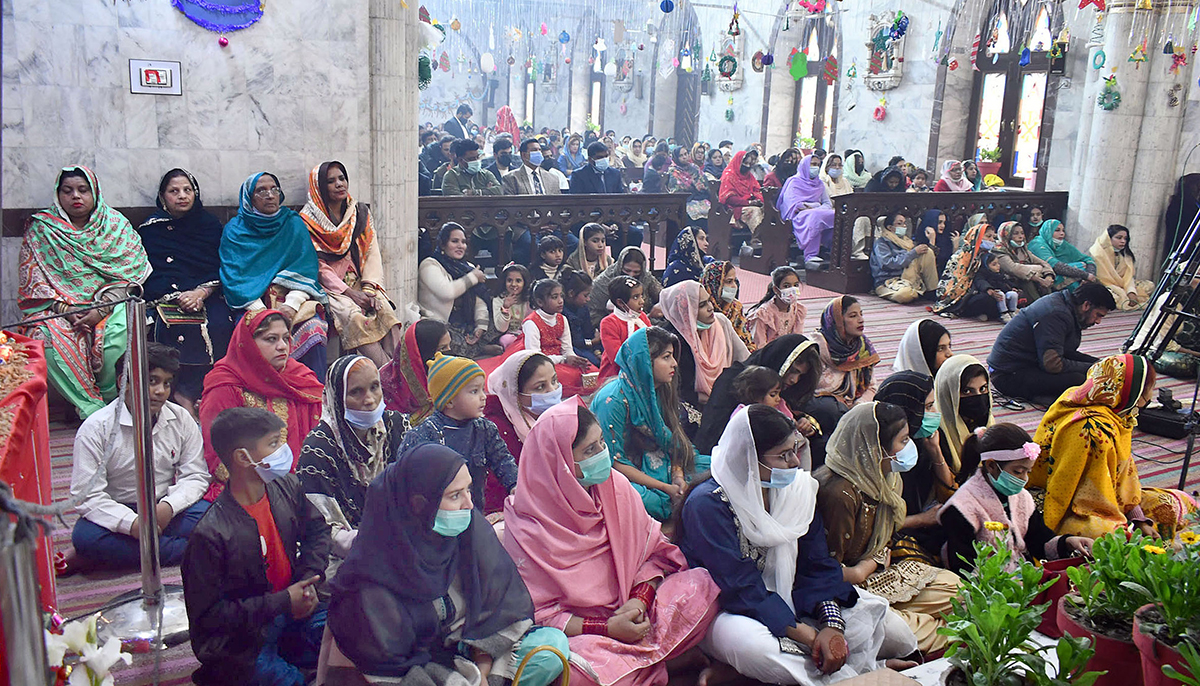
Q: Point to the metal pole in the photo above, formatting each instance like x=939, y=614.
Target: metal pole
x=143, y=450
x=19, y=608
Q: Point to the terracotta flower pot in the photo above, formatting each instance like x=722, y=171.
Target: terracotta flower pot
x=1155, y=654
x=1056, y=570
x=986, y=168
x=1119, y=658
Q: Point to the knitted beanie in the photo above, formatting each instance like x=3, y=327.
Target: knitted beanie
x=448, y=375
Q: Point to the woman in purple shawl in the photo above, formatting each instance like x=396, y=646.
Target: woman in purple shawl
x=804, y=202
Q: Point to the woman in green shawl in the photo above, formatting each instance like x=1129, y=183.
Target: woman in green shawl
x=639, y=416
x=268, y=261
x=1070, y=264
x=79, y=252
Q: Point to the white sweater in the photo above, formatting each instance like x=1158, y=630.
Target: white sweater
x=436, y=292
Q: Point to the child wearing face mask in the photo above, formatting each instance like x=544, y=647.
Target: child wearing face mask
x=252, y=564
x=545, y=330
x=780, y=311
x=628, y=298
x=456, y=386
x=993, y=505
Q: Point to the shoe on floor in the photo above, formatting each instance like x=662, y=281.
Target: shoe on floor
x=982, y=317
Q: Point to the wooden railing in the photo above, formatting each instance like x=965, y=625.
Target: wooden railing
x=664, y=214
x=847, y=275
x=724, y=240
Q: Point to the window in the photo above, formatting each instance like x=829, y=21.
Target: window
x=529, y=92
x=1008, y=100
x=815, y=100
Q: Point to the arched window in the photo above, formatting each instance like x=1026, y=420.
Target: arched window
x=814, y=107
x=1009, y=95
x=530, y=91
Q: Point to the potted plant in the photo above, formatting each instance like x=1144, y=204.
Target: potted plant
x=1171, y=619
x=991, y=624
x=806, y=145
x=989, y=161
x=1102, y=605
x=1191, y=674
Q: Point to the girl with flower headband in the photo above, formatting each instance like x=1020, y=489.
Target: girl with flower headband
x=993, y=505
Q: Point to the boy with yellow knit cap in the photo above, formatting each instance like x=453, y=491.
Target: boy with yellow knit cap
x=456, y=387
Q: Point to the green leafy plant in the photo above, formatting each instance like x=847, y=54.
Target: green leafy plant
x=993, y=618
x=1191, y=657
x=1171, y=583
x=990, y=154
x=1113, y=585
x=806, y=143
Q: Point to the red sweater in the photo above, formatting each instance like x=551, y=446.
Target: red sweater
x=613, y=332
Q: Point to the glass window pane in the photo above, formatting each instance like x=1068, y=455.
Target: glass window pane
x=1040, y=42
x=827, y=139
x=808, y=105
x=989, y=112
x=999, y=42
x=595, y=108
x=1029, y=123
x=529, y=91
x=814, y=46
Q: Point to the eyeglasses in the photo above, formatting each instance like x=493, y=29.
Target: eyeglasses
x=266, y=192
x=788, y=455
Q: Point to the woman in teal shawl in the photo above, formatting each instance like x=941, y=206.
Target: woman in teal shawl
x=639, y=415
x=268, y=261
x=1071, y=265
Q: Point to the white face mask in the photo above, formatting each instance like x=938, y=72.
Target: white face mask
x=790, y=295
x=365, y=419
x=275, y=465
x=729, y=293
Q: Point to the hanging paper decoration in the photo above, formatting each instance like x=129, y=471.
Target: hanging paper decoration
x=1169, y=48
x=1138, y=55
x=1056, y=52
x=455, y=24
x=424, y=72
x=852, y=72
x=1099, y=59
x=831, y=70
x=1098, y=3
x=735, y=28
x=799, y=68
x=756, y=62
x=1173, y=95
x=880, y=110
x=937, y=39
x=667, y=6
x=899, y=26
x=545, y=29
x=813, y=6
x=1178, y=60
x=706, y=75
x=487, y=63
x=975, y=51
x=729, y=114
x=1026, y=57
x=953, y=65
x=727, y=66
x=1144, y=5
x=444, y=62
x=1109, y=99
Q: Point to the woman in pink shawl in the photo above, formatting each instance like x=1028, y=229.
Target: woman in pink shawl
x=804, y=201
x=711, y=343
x=597, y=566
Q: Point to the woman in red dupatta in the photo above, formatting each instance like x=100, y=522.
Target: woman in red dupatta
x=587, y=552
x=739, y=188
x=258, y=372
x=405, y=384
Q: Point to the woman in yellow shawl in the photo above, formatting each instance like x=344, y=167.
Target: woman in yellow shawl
x=1086, y=466
x=1115, y=265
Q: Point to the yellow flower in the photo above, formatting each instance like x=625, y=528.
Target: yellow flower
x=1154, y=549
x=1189, y=537
x=995, y=526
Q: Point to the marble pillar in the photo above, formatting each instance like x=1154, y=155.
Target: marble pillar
x=1115, y=137
x=778, y=132
x=666, y=92
x=581, y=84
x=1090, y=82
x=1154, y=170
x=394, y=47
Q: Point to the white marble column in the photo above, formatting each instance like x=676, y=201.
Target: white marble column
x=394, y=47
x=1091, y=83
x=1154, y=170
x=778, y=133
x=581, y=83
x=666, y=93
x=1115, y=137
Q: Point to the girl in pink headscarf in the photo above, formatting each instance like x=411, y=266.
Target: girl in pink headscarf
x=711, y=343
x=597, y=566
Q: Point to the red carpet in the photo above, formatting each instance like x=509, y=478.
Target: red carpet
x=1158, y=459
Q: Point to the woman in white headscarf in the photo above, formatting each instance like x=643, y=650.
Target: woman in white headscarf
x=924, y=347
x=862, y=502
x=787, y=616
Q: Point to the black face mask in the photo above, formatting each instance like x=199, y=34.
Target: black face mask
x=504, y=159
x=975, y=409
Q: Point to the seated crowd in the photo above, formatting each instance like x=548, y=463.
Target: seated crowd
x=791, y=517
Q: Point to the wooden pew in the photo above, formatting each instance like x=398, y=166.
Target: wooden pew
x=847, y=275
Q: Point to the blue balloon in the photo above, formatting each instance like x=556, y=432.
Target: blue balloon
x=667, y=6
x=564, y=38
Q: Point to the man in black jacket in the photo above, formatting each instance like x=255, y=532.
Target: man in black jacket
x=1036, y=356
x=252, y=564
x=597, y=177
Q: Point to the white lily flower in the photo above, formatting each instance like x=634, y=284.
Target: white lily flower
x=77, y=634
x=100, y=660
x=56, y=649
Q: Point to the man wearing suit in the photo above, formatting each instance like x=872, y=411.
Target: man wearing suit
x=531, y=179
x=460, y=125
x=598, y=177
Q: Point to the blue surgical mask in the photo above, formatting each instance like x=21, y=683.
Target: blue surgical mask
x=780, y=478
x=275, y=465
x=474, y=166
x=901, y=231
x=602, y=163
x=986, y=245
x=812, y=172
x=1006, y=484
x=365, y=419
x=930, y=423
x=595, y=469
x=1017, y=244
x=906, y=459
x=451, y=523
x=701, y=326
x=540, y=402
x=729, y=293
x=1057, y=242
x=834, y=173
x=536, y=159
